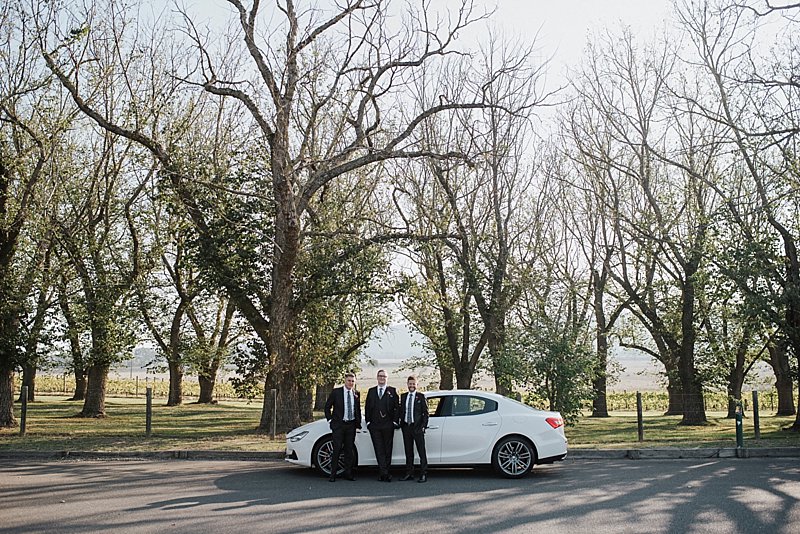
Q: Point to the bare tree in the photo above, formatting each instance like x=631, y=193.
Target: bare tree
x=592, y=227
x=661, y=210
x=760, y=114
x=484, y=208
x=95, y=230
x=32, y=119
x=323, y=88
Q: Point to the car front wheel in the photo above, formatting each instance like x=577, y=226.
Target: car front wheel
x=513, y=457
x=323, y=457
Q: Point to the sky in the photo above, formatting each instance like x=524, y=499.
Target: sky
x=564, y=26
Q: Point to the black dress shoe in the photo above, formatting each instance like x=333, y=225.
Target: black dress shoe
x=332, y=479
x=350, y=477
x=388, y=478
x=407, y=477
x=423, y=478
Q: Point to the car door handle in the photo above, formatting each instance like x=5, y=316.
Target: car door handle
x=432, y=427
x=490, y=424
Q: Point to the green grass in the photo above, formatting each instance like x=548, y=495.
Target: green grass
x=620, y=432
x=231, y=426
x=52, y=426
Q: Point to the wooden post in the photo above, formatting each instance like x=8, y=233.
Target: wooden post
x=639, y=421
x=23, y=418
x=65, y=382
x=149, y=413
x=137, y=386
x=756, y=422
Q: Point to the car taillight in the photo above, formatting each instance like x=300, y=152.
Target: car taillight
x=555, y=422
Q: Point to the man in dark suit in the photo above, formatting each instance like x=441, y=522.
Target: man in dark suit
x=413, y=421
x=343, y=412
x=381, y=414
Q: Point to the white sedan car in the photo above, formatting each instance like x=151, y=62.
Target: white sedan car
x=466, y=428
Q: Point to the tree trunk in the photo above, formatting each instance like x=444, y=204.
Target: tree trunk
x=176, y=383
x=674, y=394
x=32, y=342
x=735, y=383
x=792, y=299
x=74, y=345
x=206, y=388
x=7, y=419
x=779, y=360
x=306, y=401
x=80, y=385
x=287, y=408
x=600, y=382
x=95, y=403
x=445, y=371
x=464, y=379
x=28, y=379
x=495, y=342
x=796, y=425
x=445, y=379
x=600, y=401
x=694, y=411
x=321, y=395
x=282, y=376
x=173, y=353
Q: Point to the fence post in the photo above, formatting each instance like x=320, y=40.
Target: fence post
x=274, y=411
x=639, y=421
x=137, y=386
x=739, y=433
x=65, y=382
x=24, y=416
x=149, y=413
x=756, y=423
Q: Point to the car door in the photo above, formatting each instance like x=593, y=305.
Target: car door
x=469, y=427
x=366, y=452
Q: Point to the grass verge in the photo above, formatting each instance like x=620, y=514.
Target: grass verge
x=231, y=426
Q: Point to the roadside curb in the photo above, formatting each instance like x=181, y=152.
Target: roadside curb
x=674, y=454
x=141, y=455
x=574, y=454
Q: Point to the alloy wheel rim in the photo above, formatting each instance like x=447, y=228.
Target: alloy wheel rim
x=324, y=458
x=514, y=458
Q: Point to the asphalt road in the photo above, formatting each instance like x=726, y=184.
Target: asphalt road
x=723, y=496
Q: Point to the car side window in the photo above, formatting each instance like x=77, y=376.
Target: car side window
x=468, y=405
x=435, y=406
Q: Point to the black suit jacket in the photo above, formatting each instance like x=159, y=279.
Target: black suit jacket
x=334, y=407
x=420, y=410
x=382, y=412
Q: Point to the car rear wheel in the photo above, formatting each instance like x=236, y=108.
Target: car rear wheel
x=323, y=457
x=514, y=457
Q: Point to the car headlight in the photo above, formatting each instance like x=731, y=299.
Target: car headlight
x=297, y=437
